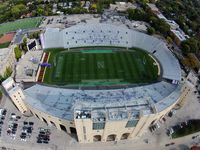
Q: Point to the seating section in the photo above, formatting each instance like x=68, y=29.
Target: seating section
x=111, y=35
x=61, y=102
x=52, y=38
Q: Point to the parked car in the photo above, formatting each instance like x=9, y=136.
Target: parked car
x=170, y=131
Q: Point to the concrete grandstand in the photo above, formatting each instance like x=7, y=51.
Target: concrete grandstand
x=106, y=114
x=111, y=35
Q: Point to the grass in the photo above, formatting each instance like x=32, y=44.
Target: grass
x=20, y=24
x=192, y=127
x=4, y=45
x=100, y=67
x=1, y=94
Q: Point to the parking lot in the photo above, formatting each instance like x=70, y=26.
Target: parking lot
x=64, y=21
x=20, y=132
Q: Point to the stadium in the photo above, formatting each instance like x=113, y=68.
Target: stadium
x=102, y=82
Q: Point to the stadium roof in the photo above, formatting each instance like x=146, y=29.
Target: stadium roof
x=61, y=102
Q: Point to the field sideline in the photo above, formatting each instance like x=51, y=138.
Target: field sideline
x=100, y=66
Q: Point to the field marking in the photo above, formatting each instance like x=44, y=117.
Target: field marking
x=156, y=63
x=45, y=67
x=95, y=69
x=100, y=64
x=58, y=71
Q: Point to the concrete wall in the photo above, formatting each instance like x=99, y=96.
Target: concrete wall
x=9, y=61
x=17, y=96
x=50, y=118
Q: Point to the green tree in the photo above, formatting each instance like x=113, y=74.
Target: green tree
x=1, y=79
x=18, y=52
x=130, y=12
x=150, y=30
x=93, y=8
x=34, y=35
x=162, y=27
x=1, y=94
x=40, y=10
x=185, y=48
x=136, y=14
x=23, y=45
x=169, y=39
x=190, y=45
x=8, y=72
x=18, y=10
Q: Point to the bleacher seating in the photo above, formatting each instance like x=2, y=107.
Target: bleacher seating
x=61, y=102
x=111, y=35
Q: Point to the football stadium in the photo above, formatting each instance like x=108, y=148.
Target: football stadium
x=102, y=82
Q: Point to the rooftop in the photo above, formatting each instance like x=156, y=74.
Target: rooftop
x=61, y=102
x=121, y=6
x=180, y=34
x=29, y=63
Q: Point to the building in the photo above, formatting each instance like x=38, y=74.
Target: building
x=7, y=59
x=179, y=35
x=107, y=114
x=7, y=56
x=189, y=86
x=32, y=45
x=121, y=6
x=26, y=68
x=16, y=94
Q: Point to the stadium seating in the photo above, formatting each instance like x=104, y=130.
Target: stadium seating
x=62, y=102
x=111, y=35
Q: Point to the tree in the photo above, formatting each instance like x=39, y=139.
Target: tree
x=162, y=27
x=40, y=10
x=150, y=30
x=23, y=45
x=130, y=12
x=190, y=45
x=18, y=52
x=8, y=72
x=31, y=7
x=93, y=8
x=185, y=48
x=1, y=79
x=136, y=14
x=169, y=39
x=18, y=10
x=34, y=35
x=1, y=94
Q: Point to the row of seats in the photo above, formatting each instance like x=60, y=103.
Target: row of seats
x=110, y=35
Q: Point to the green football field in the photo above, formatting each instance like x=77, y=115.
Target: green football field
x=20, y=24
x=94, y=67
